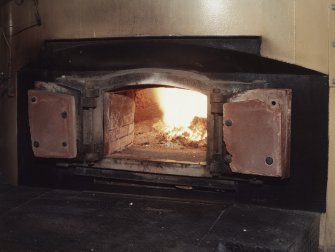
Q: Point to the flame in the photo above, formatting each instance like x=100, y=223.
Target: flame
x=182, y=110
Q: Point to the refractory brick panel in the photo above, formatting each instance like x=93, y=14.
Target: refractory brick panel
x=119, y=112
x=52, y=120
x=257, y=132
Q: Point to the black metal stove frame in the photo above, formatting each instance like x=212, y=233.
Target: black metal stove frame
x=221, y=59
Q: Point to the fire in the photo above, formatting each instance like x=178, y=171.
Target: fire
x=184, y=113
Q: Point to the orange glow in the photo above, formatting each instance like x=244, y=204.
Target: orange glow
x=182, y=109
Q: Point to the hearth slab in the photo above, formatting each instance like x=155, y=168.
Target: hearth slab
x=156, y=152
x=64, y=220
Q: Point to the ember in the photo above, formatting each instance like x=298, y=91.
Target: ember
x=195, y=135
x=184, y=116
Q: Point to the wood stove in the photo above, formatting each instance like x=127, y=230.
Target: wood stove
x=99, y=108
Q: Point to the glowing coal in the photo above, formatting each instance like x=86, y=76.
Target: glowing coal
x=184, y=116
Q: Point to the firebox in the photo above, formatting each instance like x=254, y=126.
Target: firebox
x=156, y=124
x=204, y=112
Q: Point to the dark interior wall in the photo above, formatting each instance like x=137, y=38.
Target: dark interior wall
x=2, y=69
x=8, y=132
x=4, y=51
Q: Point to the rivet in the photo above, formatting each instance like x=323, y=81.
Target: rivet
x=228, y=158
x=269, y=161
x=64, y=114
x=36, y=144
x=64, y=144
x=273, y=103
x=33, y=99
x=228, y=123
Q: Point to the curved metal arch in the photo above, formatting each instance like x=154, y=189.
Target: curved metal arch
x=158, y=77
x=133, y=78
x=140, y=77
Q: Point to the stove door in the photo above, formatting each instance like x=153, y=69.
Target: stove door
x=52, y=121
x=257, y=132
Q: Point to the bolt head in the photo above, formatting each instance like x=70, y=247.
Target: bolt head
x=228, y=122
x=228, y=158
x=269, y=160
x=64, y=114
x=36, y=144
